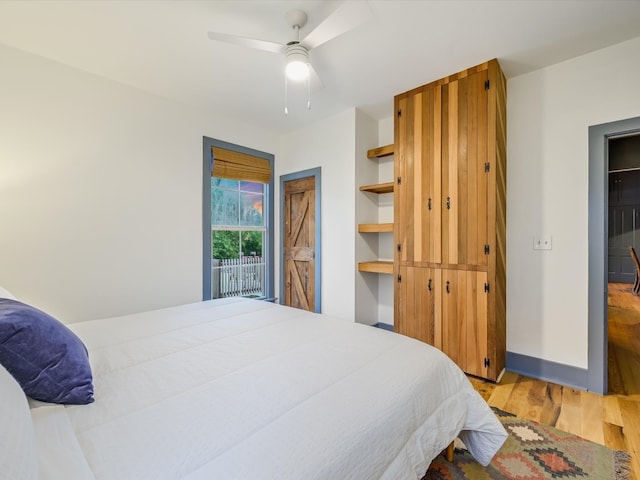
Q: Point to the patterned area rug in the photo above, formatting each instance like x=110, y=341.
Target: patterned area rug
x=535, y=452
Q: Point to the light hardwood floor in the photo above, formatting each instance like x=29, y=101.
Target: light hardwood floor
x=613, y=419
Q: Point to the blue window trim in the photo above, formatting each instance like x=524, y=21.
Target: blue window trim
x=207, y=167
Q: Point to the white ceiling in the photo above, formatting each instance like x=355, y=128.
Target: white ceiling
x=162, y=47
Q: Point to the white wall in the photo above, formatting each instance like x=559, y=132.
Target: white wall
x=329, y=144
x=100, y=190
x=548, y=114
x=366, y=211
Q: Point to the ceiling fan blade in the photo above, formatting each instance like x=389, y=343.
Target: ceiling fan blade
x=247, y=42
x=346, y=17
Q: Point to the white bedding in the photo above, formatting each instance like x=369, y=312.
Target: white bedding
x=245, y=389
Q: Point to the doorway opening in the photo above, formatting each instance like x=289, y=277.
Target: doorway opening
x=623, y=300
x=623, y=207
x=600, y=147
x=300, y=244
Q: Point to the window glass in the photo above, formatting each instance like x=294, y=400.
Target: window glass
x=251, y=187
x=224, y=207
x=238, y=233
x=224, y=183
x=225, y=244
x=251, y=243
x=251, y=209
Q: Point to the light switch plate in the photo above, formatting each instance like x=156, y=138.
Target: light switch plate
x=542, y=242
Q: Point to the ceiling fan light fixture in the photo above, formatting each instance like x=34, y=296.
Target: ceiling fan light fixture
x=297, y=62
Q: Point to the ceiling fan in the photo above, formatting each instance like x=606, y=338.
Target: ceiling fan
x=347, y=16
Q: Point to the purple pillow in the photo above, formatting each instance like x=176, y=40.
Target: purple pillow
x=47, y=359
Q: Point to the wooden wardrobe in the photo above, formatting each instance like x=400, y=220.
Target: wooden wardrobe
x=450, y=212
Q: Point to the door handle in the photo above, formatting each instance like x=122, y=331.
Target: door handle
x=447, y=287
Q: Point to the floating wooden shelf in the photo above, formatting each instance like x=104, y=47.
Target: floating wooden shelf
x=378, y=188
x=380, y=151
x=379, y=266
x=375, y=227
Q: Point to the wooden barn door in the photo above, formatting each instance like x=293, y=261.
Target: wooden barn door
x=299, y=243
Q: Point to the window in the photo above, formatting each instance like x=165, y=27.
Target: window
x=238, y=231
x=237, y=219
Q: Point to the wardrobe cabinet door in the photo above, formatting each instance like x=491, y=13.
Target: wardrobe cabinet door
x=454, y=316
x=418, y=174
x=477, y=361
x=431, y=177
x=417, y=302
x=464, y=319
x=403, y=191
x=464, y=175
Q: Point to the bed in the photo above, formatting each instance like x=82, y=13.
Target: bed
x=247, y=389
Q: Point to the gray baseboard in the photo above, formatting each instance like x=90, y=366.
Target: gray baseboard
x=547, y=370
x=384, y=326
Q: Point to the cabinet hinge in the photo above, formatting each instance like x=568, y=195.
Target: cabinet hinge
x=486, y=287
x=399, y=113
x=399, y=179
x=487, y=84
x=487, y=167
x=487, y=362
x=486, y=249
x=399, y=278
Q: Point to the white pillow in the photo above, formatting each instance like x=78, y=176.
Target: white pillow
x=18, y=457
x=4, y=293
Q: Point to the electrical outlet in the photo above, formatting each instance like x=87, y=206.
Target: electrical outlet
x=542, y=242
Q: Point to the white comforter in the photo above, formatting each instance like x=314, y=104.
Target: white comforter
x=245, y=389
